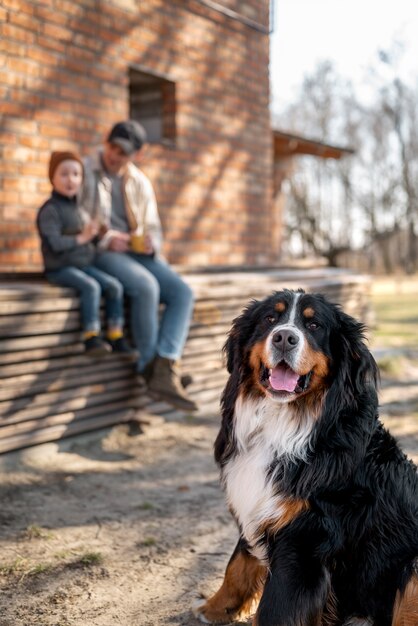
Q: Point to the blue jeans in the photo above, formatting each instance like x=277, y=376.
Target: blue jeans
x=147, y=281
x=90, y=283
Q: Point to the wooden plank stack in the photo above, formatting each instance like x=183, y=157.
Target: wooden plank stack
x=50, y=389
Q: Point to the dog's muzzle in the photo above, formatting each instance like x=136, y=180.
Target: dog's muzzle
x=283, y=379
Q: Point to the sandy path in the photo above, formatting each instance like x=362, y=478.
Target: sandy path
x=115, y=530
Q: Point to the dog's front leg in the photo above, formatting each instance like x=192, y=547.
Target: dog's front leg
x=239, y=592
x=297, y=590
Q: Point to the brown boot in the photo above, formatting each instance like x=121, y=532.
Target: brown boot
x=165, y=383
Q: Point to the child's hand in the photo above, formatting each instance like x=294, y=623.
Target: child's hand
x=95, y=228
x=88, y=233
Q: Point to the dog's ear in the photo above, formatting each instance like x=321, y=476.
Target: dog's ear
x=234, y=349
x=350, y=411
x=230, y=349
x=356, y=365
x=239, y=335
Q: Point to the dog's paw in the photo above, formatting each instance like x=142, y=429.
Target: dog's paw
x=197, y=605
x=208, y=614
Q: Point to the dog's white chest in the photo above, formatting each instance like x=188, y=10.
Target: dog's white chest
x=249, y=491
x=263, y=433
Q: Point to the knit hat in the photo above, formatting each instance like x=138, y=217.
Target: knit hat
x=59, y=157
x=129, y=135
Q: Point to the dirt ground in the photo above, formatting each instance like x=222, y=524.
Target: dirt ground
x=113, y=529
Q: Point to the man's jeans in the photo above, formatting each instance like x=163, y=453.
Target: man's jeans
x=91, y=282
x=147, y=281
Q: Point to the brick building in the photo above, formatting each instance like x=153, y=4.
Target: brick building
x=196, y=72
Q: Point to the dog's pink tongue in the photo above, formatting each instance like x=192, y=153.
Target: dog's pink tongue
x=282, y=378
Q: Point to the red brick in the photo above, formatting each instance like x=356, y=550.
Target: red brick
x=57, y=32
x=32, y=201
x=19, y=184
x=50, y=44
x=12, y=259
x=9, y=197
x=54, y=130
x=20, y=126
x=18, y=153
x=24, y=20
x=19, y=244
x=22, y=66
x=46, y=14
x=12, y=48
x=16, y=109
x=43, y=57
x=52, y=117
x=7, y=168
x=18, y=5
x=73, y=8
x=15, y=33
x=84, y=55
x=88, y=42
x=33, y=169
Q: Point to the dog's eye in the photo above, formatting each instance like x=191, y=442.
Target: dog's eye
x=312, y=325
x=271, y=319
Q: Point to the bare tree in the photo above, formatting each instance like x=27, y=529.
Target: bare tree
x=361, y=201
x=398, y=103
x=319, y=215
x=376, y=186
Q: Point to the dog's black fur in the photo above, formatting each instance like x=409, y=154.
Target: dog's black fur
x=347, y=548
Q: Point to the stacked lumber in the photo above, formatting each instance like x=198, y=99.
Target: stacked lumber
x=50, y=389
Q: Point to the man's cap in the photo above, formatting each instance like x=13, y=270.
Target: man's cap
x=129, y=135
x=58, y=157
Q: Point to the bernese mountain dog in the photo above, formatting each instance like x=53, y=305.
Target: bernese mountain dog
x=325, y=501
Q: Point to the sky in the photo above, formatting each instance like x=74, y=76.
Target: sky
x=348, y=32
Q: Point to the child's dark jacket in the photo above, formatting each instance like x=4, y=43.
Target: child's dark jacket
x=59, y=221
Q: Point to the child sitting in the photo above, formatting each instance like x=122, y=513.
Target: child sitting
x=68, y=252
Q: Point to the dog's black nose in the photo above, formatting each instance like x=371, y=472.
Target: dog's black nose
x=285, y=339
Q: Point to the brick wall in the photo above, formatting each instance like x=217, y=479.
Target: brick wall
x=64, y=81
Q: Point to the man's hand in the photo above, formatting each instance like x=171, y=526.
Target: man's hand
x=149, y=248
x=119, y=242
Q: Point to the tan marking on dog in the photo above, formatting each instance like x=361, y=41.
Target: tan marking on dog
x=316, y=361
x=292, y=508
x=308, y=312
x=280, y=307
x=239, y=593
x=405, y=609
x=257, y=358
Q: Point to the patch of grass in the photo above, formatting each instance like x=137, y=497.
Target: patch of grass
x=63, y=554
x=37, y=532
x=40, y=568
x=146, y=506
x=391, y=366
x=18, y=566
x=21, y=569
x=396, y=320
x=147, y=542
x=90, y=558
